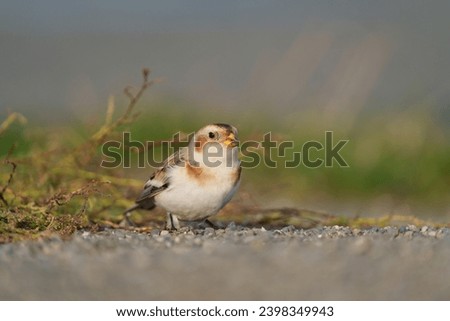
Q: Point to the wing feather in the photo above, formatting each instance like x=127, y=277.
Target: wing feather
x=160, y=180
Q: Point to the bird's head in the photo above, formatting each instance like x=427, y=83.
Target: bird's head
x=215, y=142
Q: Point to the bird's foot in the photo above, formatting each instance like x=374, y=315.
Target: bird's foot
x=172, y=223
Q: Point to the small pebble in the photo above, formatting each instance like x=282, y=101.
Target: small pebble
x=155, y=232
x=288, y=229
x=231, y=227
x=409, y=234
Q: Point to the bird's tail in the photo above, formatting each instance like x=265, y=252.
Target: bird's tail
x=146, y=204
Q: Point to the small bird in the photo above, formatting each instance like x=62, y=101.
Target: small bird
x=196, y=181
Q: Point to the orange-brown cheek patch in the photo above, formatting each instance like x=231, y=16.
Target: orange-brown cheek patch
x=197, y=173
x=193, y=171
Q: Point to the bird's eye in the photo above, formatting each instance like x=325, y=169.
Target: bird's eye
x=212, y=135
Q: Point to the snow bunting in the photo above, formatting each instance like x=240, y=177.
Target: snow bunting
x=198, y=180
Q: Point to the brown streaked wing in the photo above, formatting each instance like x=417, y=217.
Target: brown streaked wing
x=161, y=176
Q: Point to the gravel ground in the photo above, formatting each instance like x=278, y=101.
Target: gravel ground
x=236, y=263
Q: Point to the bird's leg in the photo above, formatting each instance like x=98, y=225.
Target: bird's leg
x=211, y=224
x=172, y=222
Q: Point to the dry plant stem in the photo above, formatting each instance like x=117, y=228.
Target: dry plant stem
x=110, y=126
x=11, y=119
x=127, y=116
x=60, y=199
x=11, y=175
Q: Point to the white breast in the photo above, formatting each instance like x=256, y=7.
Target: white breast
x=194, y=199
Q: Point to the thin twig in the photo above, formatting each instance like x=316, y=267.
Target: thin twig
x=60, y=199
x=10, y=119
x=127, y=116
x=11, y=175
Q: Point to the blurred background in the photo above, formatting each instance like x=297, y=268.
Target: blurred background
x=373, y=72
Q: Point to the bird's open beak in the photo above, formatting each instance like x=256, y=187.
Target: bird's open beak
x=231, y=141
